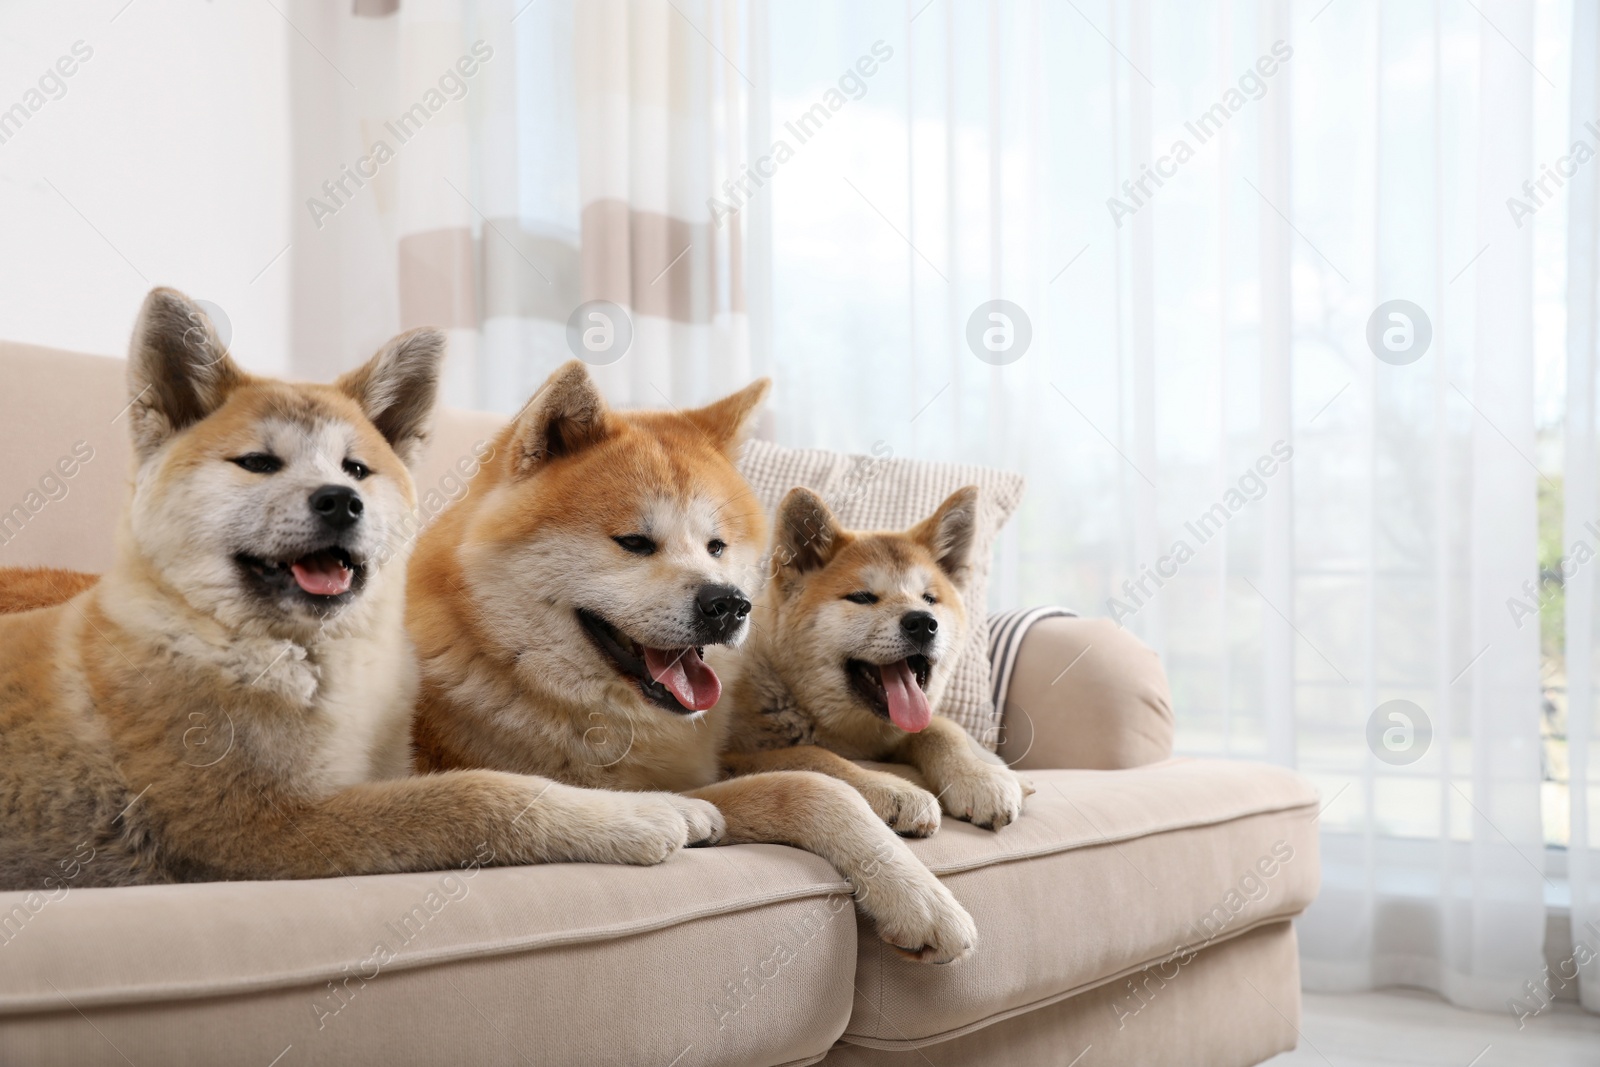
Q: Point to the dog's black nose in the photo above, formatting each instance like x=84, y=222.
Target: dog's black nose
x=722, y=607
x=920, y=626
x=337, y=505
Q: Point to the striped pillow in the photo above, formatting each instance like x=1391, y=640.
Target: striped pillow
x=888, y=493
x=1006, y=631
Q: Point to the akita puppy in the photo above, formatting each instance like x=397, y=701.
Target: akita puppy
x=232, y=699
x=561, y=610
x=851, y=650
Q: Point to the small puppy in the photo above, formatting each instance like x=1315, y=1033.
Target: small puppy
x=232, y=699
x=851, y=647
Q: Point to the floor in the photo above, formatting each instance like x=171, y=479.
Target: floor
x=1405, y=1028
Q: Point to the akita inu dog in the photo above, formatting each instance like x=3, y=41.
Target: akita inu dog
x=850, y=652
x=233, y=698
x=561, y=609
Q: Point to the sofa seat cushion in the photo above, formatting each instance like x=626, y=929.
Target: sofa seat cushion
x=744, y=952
x=1105, y=874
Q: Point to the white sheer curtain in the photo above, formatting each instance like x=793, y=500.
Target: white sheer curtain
x=1201, y=216
x=1582, y=514
x=1216, y=454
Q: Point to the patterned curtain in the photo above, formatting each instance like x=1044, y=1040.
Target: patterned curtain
x=447, y=185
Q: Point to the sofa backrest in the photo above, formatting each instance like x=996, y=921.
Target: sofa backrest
x=65, y=460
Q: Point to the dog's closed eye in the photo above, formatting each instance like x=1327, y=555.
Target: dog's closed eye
x=862, y=597
x=258, y=462
x=638, y=544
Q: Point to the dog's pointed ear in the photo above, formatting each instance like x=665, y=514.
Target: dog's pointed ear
x=565, y=416
x=397, y=389
x=807, y=535
x=949, y=532
x=726, y=421
x=179, y=371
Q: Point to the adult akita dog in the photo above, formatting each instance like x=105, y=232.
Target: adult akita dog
x=233, y=698
x=851, y=651
x=561, y=609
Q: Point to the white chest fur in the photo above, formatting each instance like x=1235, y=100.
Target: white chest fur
x=364, y=702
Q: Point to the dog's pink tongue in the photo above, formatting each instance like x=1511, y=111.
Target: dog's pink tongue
x=681, y=670
x=908, y=704
x=321, y=574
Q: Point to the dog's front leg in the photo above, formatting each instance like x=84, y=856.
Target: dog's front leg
x=971, y=784
x=907, y=808
x=911, y=908
x=457, y=818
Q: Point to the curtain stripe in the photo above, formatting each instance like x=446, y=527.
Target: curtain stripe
x=1278, y=652
x=1224, y=473
x=1446, y=561
x=438, y=279
x=1583, y=348
x=661, y=113
x=1501, y=802
x=757, y=272
x=656, y=264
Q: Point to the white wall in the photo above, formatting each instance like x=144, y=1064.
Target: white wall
x=171, y=140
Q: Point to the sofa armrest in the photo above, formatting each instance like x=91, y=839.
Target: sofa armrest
x=1085, y=693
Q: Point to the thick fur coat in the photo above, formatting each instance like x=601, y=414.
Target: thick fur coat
x=233, y=698
x=851, y=651
x=564, y=610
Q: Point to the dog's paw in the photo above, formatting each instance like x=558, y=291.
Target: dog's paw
x=636, y=828
x=706, y=825
x=910, y=810
x=925, y=923
x=987, y=796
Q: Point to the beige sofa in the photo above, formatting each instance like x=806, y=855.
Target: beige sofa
x=1139, y=912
